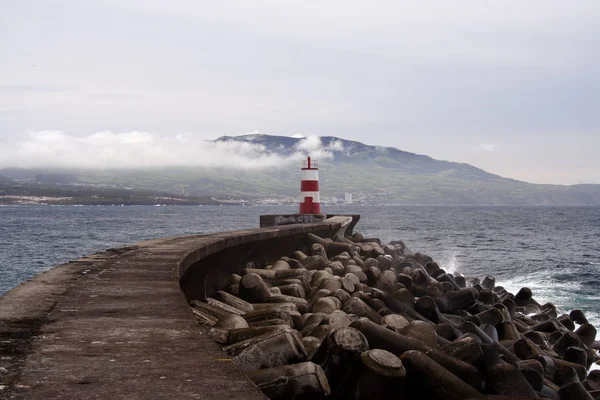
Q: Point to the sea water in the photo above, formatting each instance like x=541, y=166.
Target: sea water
x=555, y=251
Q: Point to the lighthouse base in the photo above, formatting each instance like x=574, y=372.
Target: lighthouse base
x=289, y=219
x=308, y=207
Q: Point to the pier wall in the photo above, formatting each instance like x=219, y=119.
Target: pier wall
x=117, y=324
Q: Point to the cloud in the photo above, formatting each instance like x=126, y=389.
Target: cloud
x=336, y=145
x=136, y=149
x=487, y=147
x=310, y=144
x=355, y=73
x=313, y=146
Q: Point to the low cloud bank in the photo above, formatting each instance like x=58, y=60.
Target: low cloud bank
x=56, y=149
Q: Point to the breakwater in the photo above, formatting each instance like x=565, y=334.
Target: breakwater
x=116, y=324
x=350, y=318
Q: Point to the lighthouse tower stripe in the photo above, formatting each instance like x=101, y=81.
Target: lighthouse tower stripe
x=310, y=175
x=315, y=196
x=309, y=186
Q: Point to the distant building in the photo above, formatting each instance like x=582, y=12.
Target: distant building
x=334, y=199
x=348, y=198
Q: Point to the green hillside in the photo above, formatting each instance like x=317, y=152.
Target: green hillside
x=375, y=174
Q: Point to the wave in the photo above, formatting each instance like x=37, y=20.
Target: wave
x=451, y=266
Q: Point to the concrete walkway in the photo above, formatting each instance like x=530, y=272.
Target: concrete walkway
x=116, y=325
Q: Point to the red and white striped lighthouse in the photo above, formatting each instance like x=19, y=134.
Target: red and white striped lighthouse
x=310, y=202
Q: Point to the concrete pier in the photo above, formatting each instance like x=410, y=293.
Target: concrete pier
x=117, y=324
x=307, y=310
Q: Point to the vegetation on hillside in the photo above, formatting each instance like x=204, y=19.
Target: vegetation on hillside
x=377, y=174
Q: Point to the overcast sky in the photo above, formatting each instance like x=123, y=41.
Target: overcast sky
x=510, y=86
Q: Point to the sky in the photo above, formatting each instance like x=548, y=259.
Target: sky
x=510, y=86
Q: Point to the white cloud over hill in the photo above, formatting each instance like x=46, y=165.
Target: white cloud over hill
x=136, y=149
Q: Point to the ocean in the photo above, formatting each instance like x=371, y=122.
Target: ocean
x=555, y=251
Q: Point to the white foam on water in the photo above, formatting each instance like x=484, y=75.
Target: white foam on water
x=560, y=293
x=593, y=318
x=544, y=287
x=451, y=266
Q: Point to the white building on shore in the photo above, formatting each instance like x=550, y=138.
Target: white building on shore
x=348, y=198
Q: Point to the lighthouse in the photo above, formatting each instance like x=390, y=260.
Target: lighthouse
x=310, y=202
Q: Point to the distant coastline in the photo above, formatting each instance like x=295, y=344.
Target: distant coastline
x=32, y=193
x=19, y=193
x=61, y=201
x=349, y=170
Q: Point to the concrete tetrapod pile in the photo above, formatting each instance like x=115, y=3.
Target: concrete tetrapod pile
x=350, y=318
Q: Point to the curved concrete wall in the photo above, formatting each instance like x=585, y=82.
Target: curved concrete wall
x=117, y=325
x=204, y=271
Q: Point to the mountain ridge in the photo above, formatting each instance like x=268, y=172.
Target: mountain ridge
x=274, y=141
x=373, y=174
x=447, y=182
